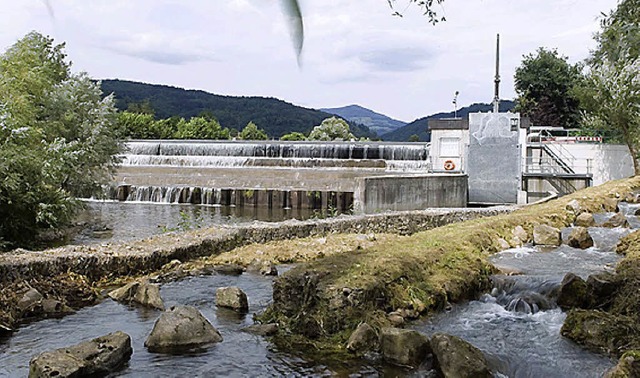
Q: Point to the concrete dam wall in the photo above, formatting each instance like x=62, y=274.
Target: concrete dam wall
x=309, y=175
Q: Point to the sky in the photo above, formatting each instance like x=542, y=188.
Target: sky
x=355, y=52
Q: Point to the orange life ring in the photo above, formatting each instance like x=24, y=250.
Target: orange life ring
x=449, y=165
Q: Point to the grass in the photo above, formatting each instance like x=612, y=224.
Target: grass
x=419, y=273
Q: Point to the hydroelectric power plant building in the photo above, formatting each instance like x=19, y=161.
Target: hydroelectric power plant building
x=487, y=158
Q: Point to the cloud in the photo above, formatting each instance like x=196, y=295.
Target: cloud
x=161, y=57
x=396, y=59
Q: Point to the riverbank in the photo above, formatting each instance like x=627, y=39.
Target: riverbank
x=62, y=274
x=322, y=302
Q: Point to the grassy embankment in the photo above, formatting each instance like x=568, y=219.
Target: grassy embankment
x=322, y=302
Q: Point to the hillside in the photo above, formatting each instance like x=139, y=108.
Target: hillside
x=379, y=123
x=419, y=127
x=274, y=116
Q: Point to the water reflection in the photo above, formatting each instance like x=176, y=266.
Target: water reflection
x=109, y=221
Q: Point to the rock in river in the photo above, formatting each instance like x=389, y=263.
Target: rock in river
x=232, y=297
x=181, y=327
x=363, y=339
x=97, y=357
x=457, y=358
x=546, y=235
x=144, y=293
x=403, y=346
x=580, y=238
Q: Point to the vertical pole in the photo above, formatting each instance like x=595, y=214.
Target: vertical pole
x=496, y=98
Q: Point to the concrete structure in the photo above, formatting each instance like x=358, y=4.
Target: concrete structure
x=382, y=193
x=338, y=177
x=449, y=142
x=503, y=167
x=494, y=157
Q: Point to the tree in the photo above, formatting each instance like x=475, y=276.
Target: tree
x=294, y=136
x=201, y=128
x=545, y=84
x=414, y=138
x=136, y=125
x=332, y=129
x=612, y=92
x=57, y=139
x=251, y=132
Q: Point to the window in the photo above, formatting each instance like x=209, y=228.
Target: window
x=450, y=147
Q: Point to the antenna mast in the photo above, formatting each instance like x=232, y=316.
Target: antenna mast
x=496, y=98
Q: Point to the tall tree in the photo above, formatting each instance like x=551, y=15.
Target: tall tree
x=332, y=128
x=252, y=132
x=612, y=93
x=57, y=139
x=545, y=83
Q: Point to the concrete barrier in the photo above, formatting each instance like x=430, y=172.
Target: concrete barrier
x=410, y=192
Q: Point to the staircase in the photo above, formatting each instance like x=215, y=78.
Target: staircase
x=552, y=168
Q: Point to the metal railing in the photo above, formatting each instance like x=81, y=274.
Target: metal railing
x=555, y=166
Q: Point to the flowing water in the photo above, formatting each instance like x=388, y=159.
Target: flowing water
x=240, y=354
x=517, y=325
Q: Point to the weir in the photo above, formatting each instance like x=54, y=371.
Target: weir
x=333, y=176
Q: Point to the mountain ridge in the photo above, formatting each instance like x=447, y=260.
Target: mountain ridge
x=420, y=126
x=276, y=117
x=377, y=122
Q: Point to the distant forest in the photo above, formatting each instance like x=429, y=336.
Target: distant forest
x=420, y=126
x=274, y=116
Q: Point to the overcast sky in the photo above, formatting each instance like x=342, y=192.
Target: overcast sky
x=355, y=51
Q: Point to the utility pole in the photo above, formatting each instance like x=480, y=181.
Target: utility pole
x=455, y=105
x=496, y=98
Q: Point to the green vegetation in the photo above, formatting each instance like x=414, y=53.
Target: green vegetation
x=294, y=136
x=332, y=129
x=274, y=116
x=251, y=132
x=612, y=90
x=545, y=84
x=57, y=139
x=145, y=126
x=418, y=274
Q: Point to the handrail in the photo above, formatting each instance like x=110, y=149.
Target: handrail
x=549, y=165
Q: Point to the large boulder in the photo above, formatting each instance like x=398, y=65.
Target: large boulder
x=403, y=347
x=546, y=235
x=580, y=238
x=602, y=288
x=181, y=327
x=149, y=295
x=457, y=358
x=573, y=292
x=618, y=220
x=601, y=331
x=97, y=357
x=232, y=297
x=363, y=339
x=585, y=220
x=143, y=293
x=628, y=366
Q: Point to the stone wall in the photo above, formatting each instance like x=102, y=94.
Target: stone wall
x=147, y=255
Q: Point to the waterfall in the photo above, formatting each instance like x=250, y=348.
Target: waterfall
x=403, y=157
